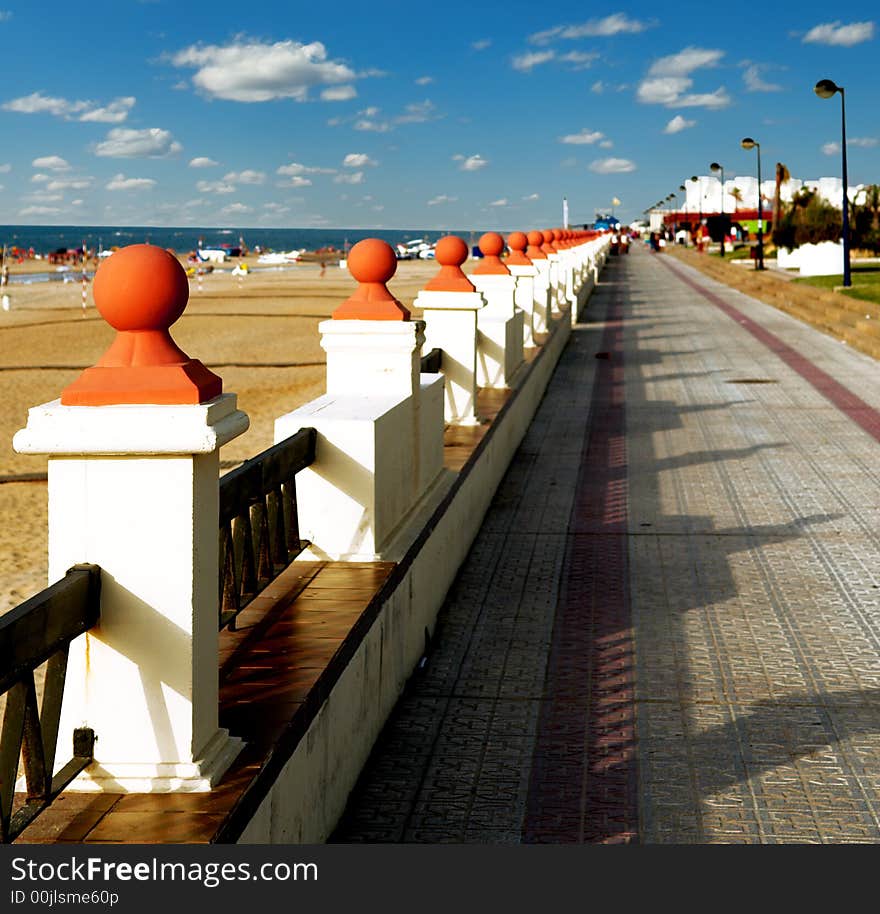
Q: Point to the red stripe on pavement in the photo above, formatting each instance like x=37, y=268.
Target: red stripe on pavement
x=863, y=414
x=583, y=786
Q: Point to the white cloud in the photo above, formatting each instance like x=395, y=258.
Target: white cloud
x=836, y=33
x=338, y=93
x=585, y=137
x=5, y=15
x=671, y=91
x=615, y=24
x=417, y=113
x=531, y=197
x=677, y=124
x=297, y=168
x=865, y=142
x=40, y=178
x=151, y=143
x=37, y=103
x=685, y=62
x=374, y=126
x=481, y=44
x=525, y=62
x=580, y=60
x=251, y=71
x=356, y=177
x=502, y=202
x=53, y=163
x=754, y=80
x=39, y=211
x=120, y=182
x=714, y=100
x=5, y=168
x=665, y=90
x=358, y=160
x=424, y=80
x=598, y=87
x=296, y=181
x=114, y=113
x=202, y=162
x=470, y=163
x=276, y=208
x=68, y=184
x=248, y=176
x=215, y=187
x=235, y=209
x=612, y=166
x=441, y=198
x=606, y=144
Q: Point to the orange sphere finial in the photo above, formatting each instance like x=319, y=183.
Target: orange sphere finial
x=491, y=245
x=547, y=246
x=141, y=290
x=372, y=263
x=450, y=252
x=534, y=250
x=518, y=242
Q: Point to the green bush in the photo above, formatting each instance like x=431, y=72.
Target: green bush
x=807, y=220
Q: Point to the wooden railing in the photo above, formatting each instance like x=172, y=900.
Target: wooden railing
x=35, y=632
x=432, y=362
x=259, y=527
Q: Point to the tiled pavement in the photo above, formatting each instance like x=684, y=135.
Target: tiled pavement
x=668, y=629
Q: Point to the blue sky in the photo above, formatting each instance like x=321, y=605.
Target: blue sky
x=411, y=115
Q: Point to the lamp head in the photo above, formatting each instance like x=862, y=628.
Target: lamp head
x=715, y=167
x=749, y=143
x=694, y=178
x=825, y=88
x=682, y=187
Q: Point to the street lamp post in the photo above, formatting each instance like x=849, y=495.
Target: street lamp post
x=716, y=167
x=699, y=182
x=698, y=235
x=749, y=143
x=825, y=88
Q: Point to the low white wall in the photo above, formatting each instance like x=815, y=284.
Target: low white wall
x=823, y=259
x=310, y=793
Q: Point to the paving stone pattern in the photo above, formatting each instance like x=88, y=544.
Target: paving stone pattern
x=668, y=629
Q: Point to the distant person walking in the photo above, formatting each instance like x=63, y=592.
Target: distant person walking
x=4, y=288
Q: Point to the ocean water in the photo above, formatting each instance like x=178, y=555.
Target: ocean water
x=48, y=238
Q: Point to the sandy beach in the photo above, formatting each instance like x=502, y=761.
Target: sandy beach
x=259, y=333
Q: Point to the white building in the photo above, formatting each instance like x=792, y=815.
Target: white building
x=704, y=194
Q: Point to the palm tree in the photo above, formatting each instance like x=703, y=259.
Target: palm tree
x=782, y=175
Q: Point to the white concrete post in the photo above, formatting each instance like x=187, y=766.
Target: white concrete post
x=450, y=304
x=500, y=323
x=557, y=280
x=380, y=424
x=133, y=450
x=542, y=320
x=525, y=273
